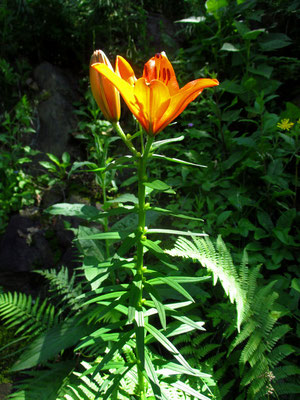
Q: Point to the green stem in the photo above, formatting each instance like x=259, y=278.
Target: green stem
x=140, y=236
x=102, y=156
x=122, y=135
x=105, y=219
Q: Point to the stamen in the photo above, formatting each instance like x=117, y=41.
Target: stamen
x=164, y=74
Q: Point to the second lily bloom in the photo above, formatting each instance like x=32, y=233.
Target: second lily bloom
x=155, y=99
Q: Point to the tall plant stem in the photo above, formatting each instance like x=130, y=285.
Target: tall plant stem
x=105, y=219
x=139, y=279
x=122, y=135
x=102, y=156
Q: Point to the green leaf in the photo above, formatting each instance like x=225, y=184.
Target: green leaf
x=296, y=284
x=252, y=35
x=189, y=322
x=232, y=87
x=151, y=375
x=121, y=161
x=116, y=378
x=223, y=217
x=175, y=232
x=77, y=210
x=275, y=41
x=134, y=294
x=262, y=70
x=106, y=236
x=54, y=159
x=229, y=47
x=172, y=283
x=176, y=160
x=265, y=220
x=66, y=157
x=214, y=6
x=286, y=219
x=168, y=212
x=78, y=164
x=51, y=343
x=187, y=389
x=140, y=344
x=158, y=303
x=108, y=356
x=48, y=165
x=172, y=368
x=283, y=236
x=159, y=253
x=159, y=143
x=124, y=198
x=160, y=337
x=157, y=185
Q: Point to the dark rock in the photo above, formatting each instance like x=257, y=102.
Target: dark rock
x=161, y=33
x=24, y=247
x=56, y=117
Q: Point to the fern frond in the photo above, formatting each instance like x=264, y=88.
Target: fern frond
x=251, y=346
x=63, y=288
x=276, y=334
x=283, y=388
x=285, y=371
x=279, y=354
x=217, y=259
x=260, y=370
x=31, y=316
x=247, y=329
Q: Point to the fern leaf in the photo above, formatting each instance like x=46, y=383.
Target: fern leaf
x=19, y=310
x=217, y=259
x=63, y=288
x=279, y=354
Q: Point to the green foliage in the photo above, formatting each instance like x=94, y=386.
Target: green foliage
x=17, y=186
x=30, y=317
x=259, y=342
x=246, y=133
x=217, y=259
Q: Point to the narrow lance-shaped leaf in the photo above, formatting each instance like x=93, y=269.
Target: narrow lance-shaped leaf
x=158, y=304
x=159, y=336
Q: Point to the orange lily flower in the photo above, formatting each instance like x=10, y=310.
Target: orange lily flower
x=155, y=99
x=106, y=95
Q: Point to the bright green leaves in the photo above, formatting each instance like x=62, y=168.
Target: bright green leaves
x=159, y=185
x=86, y=212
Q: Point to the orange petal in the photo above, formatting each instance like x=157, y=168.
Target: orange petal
x=124, y=70
x=185, y=95
x=159, y=67
x=153, y=100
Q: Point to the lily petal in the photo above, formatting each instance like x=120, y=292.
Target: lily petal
x=125, y=71
x=153, y=100
x=159, y=67
x=183, y=98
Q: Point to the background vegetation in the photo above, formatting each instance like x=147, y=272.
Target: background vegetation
x=247, y=135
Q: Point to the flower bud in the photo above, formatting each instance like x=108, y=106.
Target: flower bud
x=106, y=95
